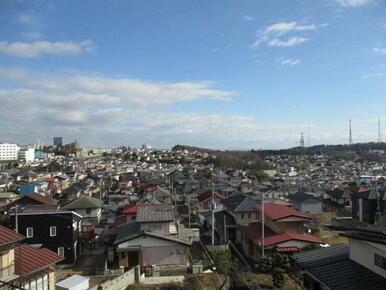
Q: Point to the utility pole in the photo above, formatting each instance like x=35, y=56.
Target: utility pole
x=225, y=228
x=262, y=225
x=212, y=211
x=350, y=134
x=16, y=220
x=189, y=210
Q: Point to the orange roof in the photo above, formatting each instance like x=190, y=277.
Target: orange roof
x=29, y=259
x=8, y=236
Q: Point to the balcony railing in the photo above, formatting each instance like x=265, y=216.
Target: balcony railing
x=7, y=272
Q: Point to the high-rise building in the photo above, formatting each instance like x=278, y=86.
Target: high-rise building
x=8, y=151
x=58, y=141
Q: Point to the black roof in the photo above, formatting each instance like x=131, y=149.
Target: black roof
x=367, y=235
x=240, y=203
x=336, y=193
x=333, y=267
x=229, y=219
x=300, y=196
x=126, y=231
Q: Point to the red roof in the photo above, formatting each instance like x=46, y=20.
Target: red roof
x=287, y=249
x=8, y=236
x=253, y=231
x=50, y=179
x=132, y=207
x=29, y=259
x=208, y=195
x=277, y=211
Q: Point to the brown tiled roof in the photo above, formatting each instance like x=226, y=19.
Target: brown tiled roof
x=35, y=196
x=29, y=259
x=40, y=198
x=9, y=236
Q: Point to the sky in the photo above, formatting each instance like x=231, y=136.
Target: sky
x=217, y=74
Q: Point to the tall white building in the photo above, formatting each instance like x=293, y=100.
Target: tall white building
x=8, y=151
x=26, y=154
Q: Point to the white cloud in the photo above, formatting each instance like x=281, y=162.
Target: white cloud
x=293, y=41
x=354, y=3
x=285, y=27
x=38, y=48
x=290, y=61
x=372, y=75
x=271, y=35
x=379, y=50
x=248, y=18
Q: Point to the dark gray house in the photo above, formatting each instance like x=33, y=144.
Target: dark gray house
x=306, y=202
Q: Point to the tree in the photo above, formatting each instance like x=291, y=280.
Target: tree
x=278, y=278
x=224, y=262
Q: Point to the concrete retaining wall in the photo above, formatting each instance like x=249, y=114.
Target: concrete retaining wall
x=120, y=282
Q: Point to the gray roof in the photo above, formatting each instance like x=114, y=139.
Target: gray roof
x=240, y=203
x=333, y=267
x=84, y=202
x=132, y=230
x=72, y=281
x=155, y=213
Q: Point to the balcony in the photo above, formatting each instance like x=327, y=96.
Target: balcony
x=7, y=273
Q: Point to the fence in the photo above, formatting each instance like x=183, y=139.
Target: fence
x=121, y=282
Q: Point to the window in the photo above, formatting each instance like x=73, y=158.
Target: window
x=53, y=231
x=88, y=210
x=380, y=261
x=249, y=215
x=30, y=232
x=242, y=216
x=61, y=251
x=45, y=282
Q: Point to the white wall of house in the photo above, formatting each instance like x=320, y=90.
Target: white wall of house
x=363, y=253
x=245, y=218
x=96, y=213
x=158, y=251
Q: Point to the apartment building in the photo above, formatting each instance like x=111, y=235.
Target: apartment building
x=9, y=151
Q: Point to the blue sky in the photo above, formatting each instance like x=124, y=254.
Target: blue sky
x=219, y=74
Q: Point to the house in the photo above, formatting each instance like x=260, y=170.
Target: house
x=360, y=265
x=56, y=230
x=151, y=240
x=242, y=208
x=7, y=197
x=283, y=232
x=369, y=206
x=305, y=202
x=25, y=266
x=88, y=207
x=337, y=200
x=205, y=199
x=31, y=199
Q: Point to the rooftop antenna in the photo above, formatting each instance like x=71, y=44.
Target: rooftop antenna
x=379, y=131
x=350, y=134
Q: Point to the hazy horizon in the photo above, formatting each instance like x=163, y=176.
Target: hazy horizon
x=218, y=74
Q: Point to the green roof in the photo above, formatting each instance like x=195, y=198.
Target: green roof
x=84, y=202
